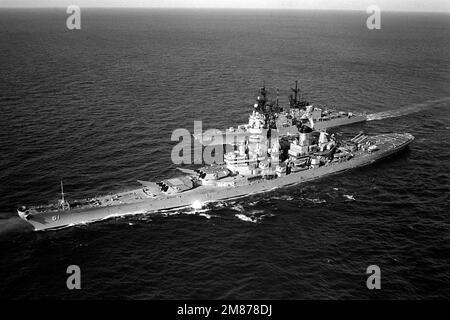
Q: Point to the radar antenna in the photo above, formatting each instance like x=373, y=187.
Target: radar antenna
x=296, y=91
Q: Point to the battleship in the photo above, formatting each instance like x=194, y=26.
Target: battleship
x=257, y=164
x=284, y=120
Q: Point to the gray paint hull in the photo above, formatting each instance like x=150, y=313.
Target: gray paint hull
x=319, y=125
x=55, y=220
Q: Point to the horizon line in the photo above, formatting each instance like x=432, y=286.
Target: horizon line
x=214, y=8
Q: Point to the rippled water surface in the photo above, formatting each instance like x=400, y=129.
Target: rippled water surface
x=97, y=106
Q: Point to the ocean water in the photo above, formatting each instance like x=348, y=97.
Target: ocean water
x=96, y=107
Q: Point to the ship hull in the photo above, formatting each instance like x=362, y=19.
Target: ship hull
x=340, y=121
x=204, y=194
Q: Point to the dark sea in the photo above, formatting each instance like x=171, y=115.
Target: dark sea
x=96, y=107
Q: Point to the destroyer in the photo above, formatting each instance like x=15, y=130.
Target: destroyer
x=256, y=165
x=285, y=120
